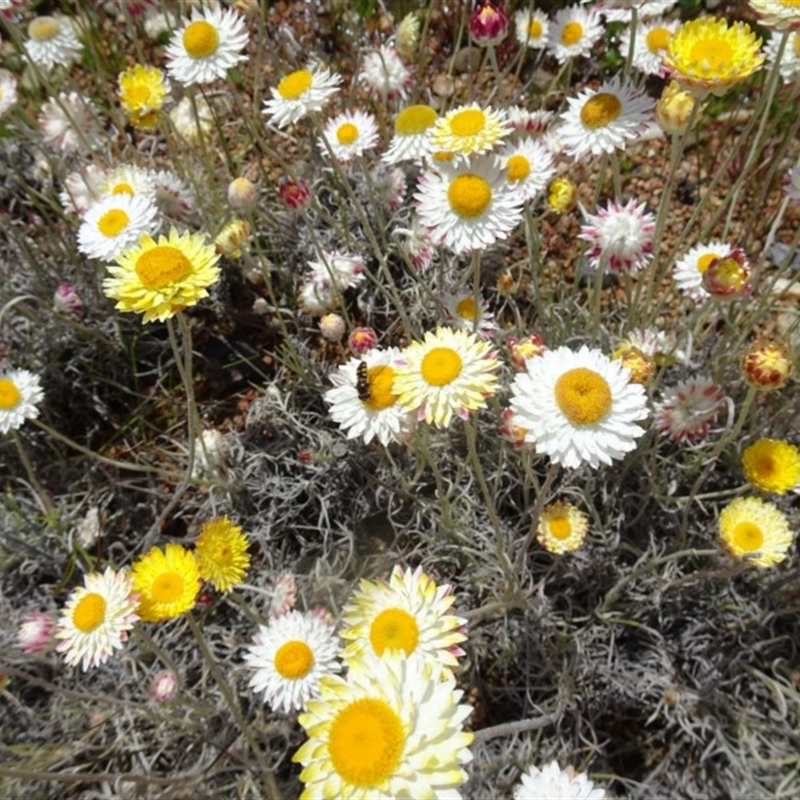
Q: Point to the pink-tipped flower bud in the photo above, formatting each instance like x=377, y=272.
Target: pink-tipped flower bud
x=362, y=340
x=67, y=301
x=488, y=24
x=294, y=194
x=35, y=635
x=164, y=686
x=520, y=350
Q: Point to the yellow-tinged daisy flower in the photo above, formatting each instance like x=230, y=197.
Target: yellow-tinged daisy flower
x=52, y=41
x=531, y=28
x=561, y=194
x=393, y=729
x=529, y=166
x=207, y=45
x=167, y=582
x=755, y=530
x=449, y=372
x=469, y=130
x=97, y=618
x=115, y=224
x=221, y=553
x=300, y=93
x=562, y=528
x=578, y=407
x=411, y=141
x=410, y=613
x=553, y=783
x=573, y=32
x=783, y=15
x=290, y=656
x=772, y=465
x=20, y=395
x=142, y=91
x=158, y=279
x=708, y=55
x=349, y=135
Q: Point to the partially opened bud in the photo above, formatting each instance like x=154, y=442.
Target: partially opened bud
x=488, y=23
x=767, y=364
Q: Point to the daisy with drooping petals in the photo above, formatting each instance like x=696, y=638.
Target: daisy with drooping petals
x=410, y=613
x=158, y=279
x=385, y=75
x=462, y=312
x=96, y=619
x=348, y=135
x=562, y=528
x=172, y=195
x=342, y=270
x=393, y=728
x=469, y=130
x=130, y=180
x=578, y=407
x=450, y=373
x=8, y=91
x=553, y=783
x=366, y=405
x=142, y=92
x=707, y=55
x=290, y=656
x=207, y=45
x=789, y=66
x=782, y=15
x=115, y=224
x=52, y=41
x=69, y=123
x=300, y=93
x=649, y=46
x=621, y=237
x=688, y=410
x=221, y=553
x=532, y=28
x=411, y=141
x=772, y=465
x=602, y=120
x=20, y=395
x=688, y=271
x=167, y=582
x=573, y=32
x=756, y=531
x=529, y=166
x=470, y=206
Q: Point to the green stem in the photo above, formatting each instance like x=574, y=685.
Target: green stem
x=541, y=499
x=41, y=493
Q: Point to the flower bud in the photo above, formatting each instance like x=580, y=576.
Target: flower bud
x=766, y=364
x=561, y=195
x=242, y=193
x=332, y=327
x=729, y=276
x=294, y=194
x=674, y=108
x=520, y=350
x=361, y=340
x=67, y=301
x=641, y=365
x=488, y=24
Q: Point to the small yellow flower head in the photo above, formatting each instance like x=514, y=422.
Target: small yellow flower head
x=230, y=239
x=142, y=91
x=167, y=582
x=562, y=528
x=641, y=365
x=767, y=365
x=755, y=530
x=709, y=56
x=561, y=195
x=772, y=465
x=221, y=553
x=674, y=108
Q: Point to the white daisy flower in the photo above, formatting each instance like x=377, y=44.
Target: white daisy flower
x=462, y=312
x=573, y=32
x=532, y=123
x=602, y=120
x=470, y=206
x=469, y=130
x=130, y=180
x=300, y=93
x=363, y=401
x=411, y=141
x=553, y=783
x=688, y=271
x=578, y=407
x=70, y=123
x=348, y=136
x=650, y=45
x=207, y=45
x=688, y=410
x=562, y=528
x=340, y=269
x=779, y=14
x=52, y=41
x=8, y=91
x=385, y=75
x=82, y=189
x=532, y=28
x=790, y=60
x=621, y=237
x=20, y=395
x=97, y=618
x=115, y=224
x=529, y=166
x=290, y=656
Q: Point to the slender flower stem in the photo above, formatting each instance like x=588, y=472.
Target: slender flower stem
x=41, y=493
x=541, y=499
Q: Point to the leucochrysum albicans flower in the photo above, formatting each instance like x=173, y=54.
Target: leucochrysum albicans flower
x=755, y=531
x=115, y=224
x=299, y=93
x=20, y=395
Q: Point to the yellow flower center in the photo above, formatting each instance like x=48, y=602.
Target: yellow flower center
x=294, y=660
x=366, y=742
x=705, y=261
x=167, y=587
x=468, y=122
x=295, y=84
x=657, y=39
x=583, y=396
x=790, y=3
x=440, y=366
x=711, y=55
x=466, y=308
x=162, y=266
x=381, y=385
x=442, y=155
x=535, y=29
x=796, y=43
x=571, y=33
x=469, y=195
x=123, y=188
x=765, y=466
x=137, y=94
x=89, y=612
x=560, y=527
x=9, y=394
x=394, y=629
x=113, y=222
x=518, y=168
x=600, y=110
x=42, y=29
x=748, y=536
x=414, y=120
x=200, y=39
x=347, y=133
x=729, y=274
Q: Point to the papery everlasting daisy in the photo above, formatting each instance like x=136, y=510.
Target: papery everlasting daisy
x=579, y=407
x=449, y=373
x=708, y=55
x=129, y=180
x=348, y=135
x=650, y=45
x=621, y=237
x=221, y=553
x=96, y=618
x=384, y=74
x=688, y=271
x=173, y=196
x=782, y=15
x=728, y=277
x=387, y=184
x=790, y=59
x=531, y=28
x=562, y=528
x=411, y=141
x=488, y=23
x=674, y=108
x=603, y=120
x=52, y=41
x=529, y=166
x=343, y=270
x=70, y=123
x=115, y=224
x=462, y=312
x=300, y=93
x=207, y=45
x=688, y=410
x=167, y=582
x=573, y=32
x=290, y=656
x=756, y=531
x=158, y=279
x=8, y=91
x=363, y=401
x=35, y=634
x=772, y=465
x=142, y=92
x=469, y=130
x=20, y=395
x=470, y=206
x=767, y=364
x=416, y=245
x=552, y=783
x=393, y=728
